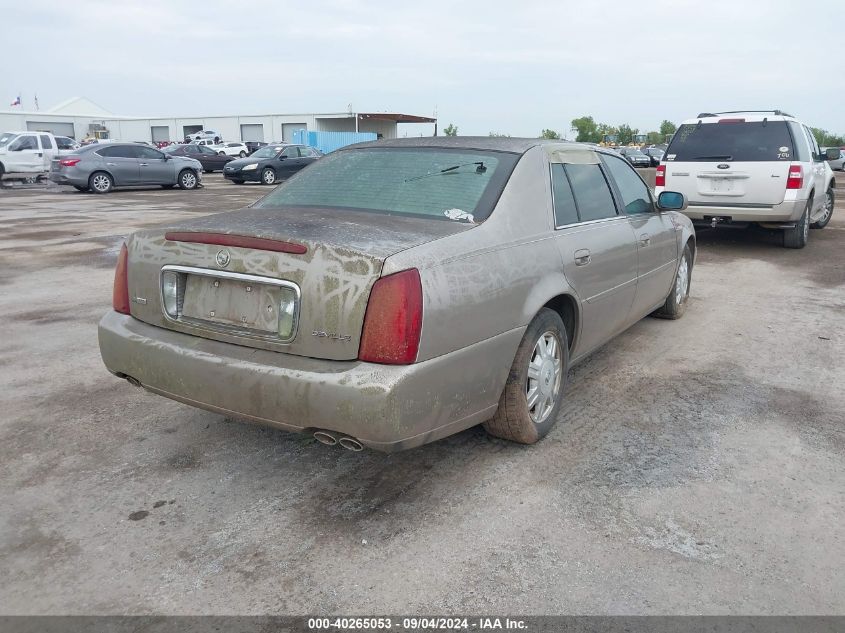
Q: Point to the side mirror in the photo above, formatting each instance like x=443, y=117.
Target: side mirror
x=671, y=201
x=831, y=153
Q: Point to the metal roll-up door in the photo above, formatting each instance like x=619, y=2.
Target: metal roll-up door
x=252, y=132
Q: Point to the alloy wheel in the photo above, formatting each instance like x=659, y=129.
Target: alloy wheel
x=544, y=377
x=682, y=281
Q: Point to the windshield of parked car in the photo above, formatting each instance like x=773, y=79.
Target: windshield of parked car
x=732, y=141
x=267, y=152
x=5, y=137
x=430, y=182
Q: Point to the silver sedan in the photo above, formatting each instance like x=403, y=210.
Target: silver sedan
x=397, y=292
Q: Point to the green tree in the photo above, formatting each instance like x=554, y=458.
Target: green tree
x=827, y=139
x=654, y=138
x=602, y=129
x=450, y=130
x=667, y=127
x=550, y=134
x=587, y=129
x=498, y=134
x=626, y=133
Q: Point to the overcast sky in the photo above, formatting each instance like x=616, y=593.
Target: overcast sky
x=512, y=67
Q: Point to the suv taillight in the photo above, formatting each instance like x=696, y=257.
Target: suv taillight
x=795, y=179
x=660, y=176
x=69, y=162
x=393, y=322
x=120, y=293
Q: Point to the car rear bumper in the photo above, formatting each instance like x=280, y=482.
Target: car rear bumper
x=64, y=178
x=787, y=211
x=384, y=407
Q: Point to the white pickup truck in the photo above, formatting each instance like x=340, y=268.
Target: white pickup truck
x=27, y=154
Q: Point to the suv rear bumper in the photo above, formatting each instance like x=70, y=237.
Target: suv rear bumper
x=787, y=211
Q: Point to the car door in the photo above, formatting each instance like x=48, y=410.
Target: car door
x=597, y=250
x=48, y=151
x=656, y=235
x=153, y=168
x=122, y=163
x=25, y=155
x=819, y=172
x=289, y=161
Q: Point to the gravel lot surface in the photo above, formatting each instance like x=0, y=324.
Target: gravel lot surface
x=698, y=466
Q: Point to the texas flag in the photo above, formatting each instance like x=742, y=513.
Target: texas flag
x=17, y=101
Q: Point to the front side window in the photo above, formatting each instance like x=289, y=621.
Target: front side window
x=149, y=153
x=732, y=140
x=633, y=191
x=443, y=184
x=592, y=195
x=26, y=141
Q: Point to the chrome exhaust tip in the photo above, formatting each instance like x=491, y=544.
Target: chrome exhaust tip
x=325, y=438
x=351, y=444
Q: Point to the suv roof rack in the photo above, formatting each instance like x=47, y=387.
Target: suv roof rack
x=775, y=112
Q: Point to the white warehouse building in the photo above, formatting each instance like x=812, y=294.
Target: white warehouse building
x=79, y=118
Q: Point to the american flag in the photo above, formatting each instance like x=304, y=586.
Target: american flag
x=17, y=101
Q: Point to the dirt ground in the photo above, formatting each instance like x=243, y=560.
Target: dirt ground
x=698, y=466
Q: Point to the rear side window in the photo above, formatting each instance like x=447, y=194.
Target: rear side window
x=741, y=141
x=632, y=189
x=802, y=151
x=592, y=195
x=565, y=210
x=46, y=143
x=118, y=152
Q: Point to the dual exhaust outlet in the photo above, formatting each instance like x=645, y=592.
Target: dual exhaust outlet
x=330, y=439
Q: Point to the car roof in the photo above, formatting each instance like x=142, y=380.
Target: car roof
x=750, y=117
x=513, y=145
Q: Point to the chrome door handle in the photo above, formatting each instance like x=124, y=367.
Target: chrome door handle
x=110, y=164
x=582, y=257
x=645, y=240
x=142, y=164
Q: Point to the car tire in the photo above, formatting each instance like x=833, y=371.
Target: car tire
x=100, y=182
x=516, y=419
x=221, y=153
x=829, y=202
x=242, y=154
x=676, y=303
x=797, y=236
x=268, y=176
x=188, y=179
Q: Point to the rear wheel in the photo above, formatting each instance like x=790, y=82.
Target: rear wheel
x=100, y=182
x=797, y=236
x=187, y=179
x=676, y=303
x=533, y=393
x=268, y=176
x=827, y=212
x=221, y=153
x=242, y=154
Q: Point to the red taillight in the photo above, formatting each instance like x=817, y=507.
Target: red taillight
x=795, y=179
x=69, y=162
x=660, y=176
x=393, y=322
x=120, y=294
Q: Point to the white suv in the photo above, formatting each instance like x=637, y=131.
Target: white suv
x=743, y=167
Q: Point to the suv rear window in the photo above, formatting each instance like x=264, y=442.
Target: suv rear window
x=746, y=142
x=413, y=181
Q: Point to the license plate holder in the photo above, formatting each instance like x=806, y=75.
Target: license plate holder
x=239, y=304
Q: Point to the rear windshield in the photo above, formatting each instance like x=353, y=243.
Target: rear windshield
x=752, y=141
x=454, y=185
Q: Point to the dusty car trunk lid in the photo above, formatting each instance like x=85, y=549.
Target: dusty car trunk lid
x=240, y=292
